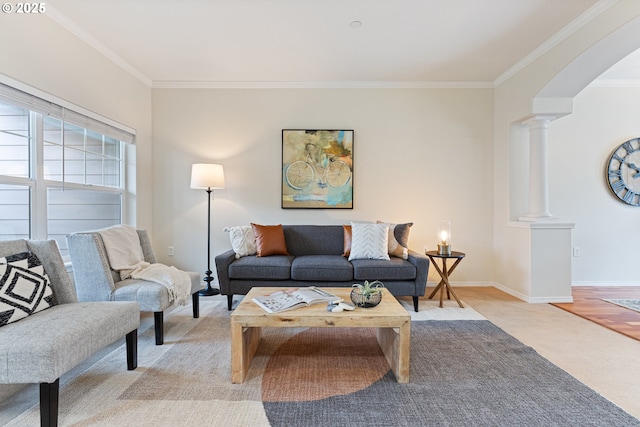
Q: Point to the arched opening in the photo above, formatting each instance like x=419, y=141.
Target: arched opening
x=573, y=180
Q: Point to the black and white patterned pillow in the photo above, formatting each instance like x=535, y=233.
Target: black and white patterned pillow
x=24, y=287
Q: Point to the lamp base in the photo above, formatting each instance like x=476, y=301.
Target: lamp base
x=444, y=249
x=209, y=291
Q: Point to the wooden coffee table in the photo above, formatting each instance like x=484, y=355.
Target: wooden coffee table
x=391, y=319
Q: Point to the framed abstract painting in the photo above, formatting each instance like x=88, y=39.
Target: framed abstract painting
x=317, y=169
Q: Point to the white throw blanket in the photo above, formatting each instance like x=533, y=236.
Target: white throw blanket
x=125, y=256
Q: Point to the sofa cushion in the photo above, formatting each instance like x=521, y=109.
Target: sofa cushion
x=24, y=287
x=269, y=240
x=276, y=267
x=243, y=240
x=394, y=269
x=42, y=347
x=369, y=241
x=321, y=268
x=150, y=296
x=399, y=239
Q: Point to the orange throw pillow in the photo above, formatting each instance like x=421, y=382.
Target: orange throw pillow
x=347, y=240
x=269, y=240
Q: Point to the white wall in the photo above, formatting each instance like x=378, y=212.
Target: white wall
x=606, y=229
x=419, y=155
x=40, y=53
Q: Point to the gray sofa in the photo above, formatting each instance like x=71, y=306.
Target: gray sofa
x=316, y=260
x=43, y=346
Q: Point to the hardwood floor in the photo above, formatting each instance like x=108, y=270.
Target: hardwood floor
x=587, y=303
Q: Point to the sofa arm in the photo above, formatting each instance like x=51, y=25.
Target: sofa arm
x=222, y=267
x=422, y=270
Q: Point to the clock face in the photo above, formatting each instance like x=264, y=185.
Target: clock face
x=623, y=172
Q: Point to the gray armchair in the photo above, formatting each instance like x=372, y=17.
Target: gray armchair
x=96, y=281
x=44, y=345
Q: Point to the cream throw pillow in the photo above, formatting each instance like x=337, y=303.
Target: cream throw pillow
x=243, y=240
x=399, y=239
x=369, y=241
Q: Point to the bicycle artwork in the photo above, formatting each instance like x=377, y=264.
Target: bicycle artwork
x=317, y=169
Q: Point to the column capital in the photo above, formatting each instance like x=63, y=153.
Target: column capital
x=539, y=120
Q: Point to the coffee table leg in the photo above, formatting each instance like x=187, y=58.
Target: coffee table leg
x=244, y=343
x=396, y=346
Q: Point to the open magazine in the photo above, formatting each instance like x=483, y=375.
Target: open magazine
x=290, y=299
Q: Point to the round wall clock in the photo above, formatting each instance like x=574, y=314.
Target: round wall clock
x=623, y=172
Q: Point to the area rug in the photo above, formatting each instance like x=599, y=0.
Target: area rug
x=463, y=373
x=631, y=304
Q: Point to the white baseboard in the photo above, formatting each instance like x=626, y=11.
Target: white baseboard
x=604, y=284
x=533, y=300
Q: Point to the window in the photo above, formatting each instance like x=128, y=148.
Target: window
x=60, y=171
x=15, y=216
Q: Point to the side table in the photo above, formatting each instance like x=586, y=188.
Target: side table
x=444, y=273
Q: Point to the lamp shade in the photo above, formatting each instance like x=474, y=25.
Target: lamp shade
x=207, y=175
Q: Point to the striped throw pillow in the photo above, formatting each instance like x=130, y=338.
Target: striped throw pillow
x=369, y=241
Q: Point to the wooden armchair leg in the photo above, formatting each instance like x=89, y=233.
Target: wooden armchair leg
x=49, y=403
x=229, y=301
x=415, y=303
x=158, y=319
x=132, y=350
x=195, y=302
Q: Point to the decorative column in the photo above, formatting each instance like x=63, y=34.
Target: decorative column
x=538, y=172
x=541, y=244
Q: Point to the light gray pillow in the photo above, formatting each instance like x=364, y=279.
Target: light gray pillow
x=369, y=241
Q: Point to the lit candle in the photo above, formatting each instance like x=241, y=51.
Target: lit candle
x=444, y=238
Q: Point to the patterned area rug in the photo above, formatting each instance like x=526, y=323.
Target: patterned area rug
x=631, y=304
x=463, y=373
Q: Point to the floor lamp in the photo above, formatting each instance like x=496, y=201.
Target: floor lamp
x=207, y=176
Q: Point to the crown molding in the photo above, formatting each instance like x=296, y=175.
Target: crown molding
x=321, y=85
x=84, y=35
x=582, y=20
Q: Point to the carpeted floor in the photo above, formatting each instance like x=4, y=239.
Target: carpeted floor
x=631, y=304
x=463, y=372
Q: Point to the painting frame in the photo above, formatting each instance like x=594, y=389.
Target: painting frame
x=317, y=169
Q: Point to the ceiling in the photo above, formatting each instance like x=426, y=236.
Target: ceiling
x=170, y=43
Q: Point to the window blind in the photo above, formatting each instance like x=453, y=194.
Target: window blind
x=70, y=114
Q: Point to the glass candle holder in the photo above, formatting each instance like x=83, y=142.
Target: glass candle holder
x=444, y=237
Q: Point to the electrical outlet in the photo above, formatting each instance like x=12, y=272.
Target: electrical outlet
x=170, y=251
x=576, y=251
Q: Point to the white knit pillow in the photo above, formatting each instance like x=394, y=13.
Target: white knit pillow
x=243, y=240
x=369, y=241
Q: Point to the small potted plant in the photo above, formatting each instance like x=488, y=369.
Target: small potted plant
x=368, y=294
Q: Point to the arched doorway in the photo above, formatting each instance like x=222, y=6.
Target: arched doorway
x=554, y=100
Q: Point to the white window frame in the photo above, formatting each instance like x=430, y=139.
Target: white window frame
x=38, y=104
